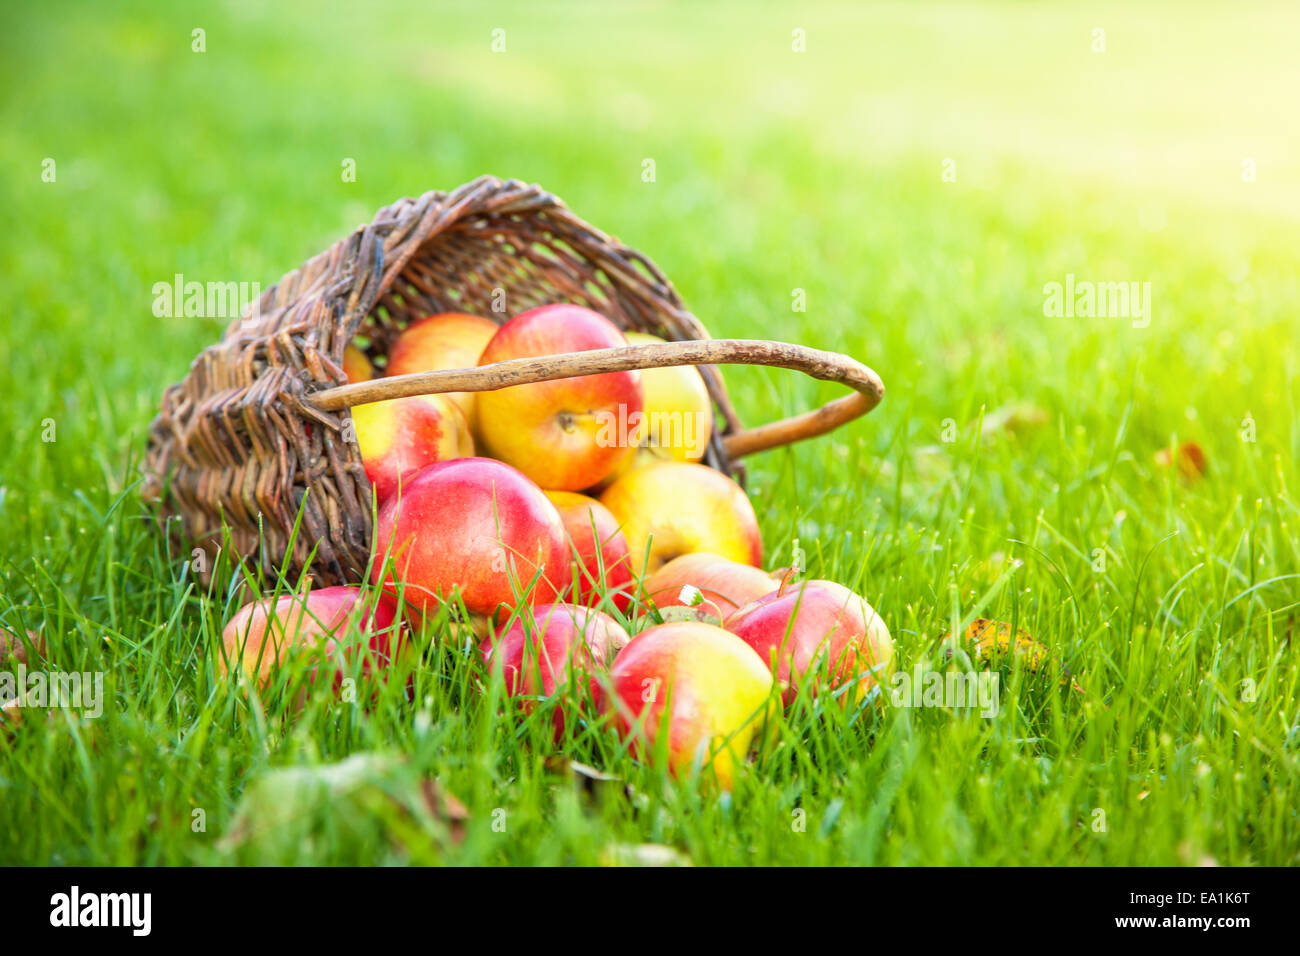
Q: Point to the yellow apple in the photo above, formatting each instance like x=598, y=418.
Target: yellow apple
x=356, y=366
x=678, y=415
x=671, y=508
x=677, y=408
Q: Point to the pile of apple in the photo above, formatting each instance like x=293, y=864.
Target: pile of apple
x=560, y=518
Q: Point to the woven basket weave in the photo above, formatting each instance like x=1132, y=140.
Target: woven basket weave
x=255, y=434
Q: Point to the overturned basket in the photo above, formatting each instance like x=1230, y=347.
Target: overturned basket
x=259, y=421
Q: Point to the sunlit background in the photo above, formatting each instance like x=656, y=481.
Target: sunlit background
x=800, y=146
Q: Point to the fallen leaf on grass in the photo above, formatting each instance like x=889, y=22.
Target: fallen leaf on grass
x=992, y=641
x=13, y=649
x=579, y=771
x=1014, y=419
x=443, y=805
x=643, y=854
x=1190, y=458
x=371, y=794
x=593, y=781
x=703, y=613
x=11, y=715
x=931, y=464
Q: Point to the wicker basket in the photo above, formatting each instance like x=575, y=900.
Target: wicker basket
x=254, y=435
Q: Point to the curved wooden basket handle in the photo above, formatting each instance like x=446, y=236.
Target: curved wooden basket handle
x=868, y=390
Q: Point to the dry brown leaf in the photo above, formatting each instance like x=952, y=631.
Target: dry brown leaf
x=443, y=805
x=11, y=715
x=13, y=649
x=593, y=781
x=367, y=785
x=1014, y=419
x=1190, y=458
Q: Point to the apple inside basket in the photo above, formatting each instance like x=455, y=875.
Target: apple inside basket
x=258, y=444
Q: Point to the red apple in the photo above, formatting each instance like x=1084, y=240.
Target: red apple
x=476, y=526
x=604, y=565
x=570, y=433
x=537, y=652
x=443, y=341
x=701, y=684
x=816, y=630
x=400, y=436
x=724, y=585
x=265, y=635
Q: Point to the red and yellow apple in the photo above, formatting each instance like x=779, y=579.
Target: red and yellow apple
x=603, y=564
x=671, y=508
x=266, y=635
x=473, y=526
x=356, y=365
x=816, y=631
x=400, y=436
x=543, y=645
x=570, y=433
x=724, y=585
x=443, y=341
x=707, y=689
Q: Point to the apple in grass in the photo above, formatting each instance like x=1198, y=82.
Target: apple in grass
x=818, y=632
x=671, y=508
x=443, y=341
x=537, y=652
x=603, y=564
x=707, y=689
x=471, y=526
x=570, y=433
x=400, y=436
x=266, y=635
x=723, y=585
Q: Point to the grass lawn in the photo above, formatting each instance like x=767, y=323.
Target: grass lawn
x=781, y=177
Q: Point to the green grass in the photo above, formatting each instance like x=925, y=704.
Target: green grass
x=776, y=171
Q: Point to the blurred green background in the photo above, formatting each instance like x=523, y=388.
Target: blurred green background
x=775, y=170
x=1170, y=157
